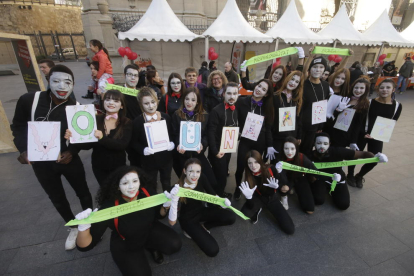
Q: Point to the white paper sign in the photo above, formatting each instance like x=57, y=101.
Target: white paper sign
x=287, y=118
x=157, y=135
x=82, y=123
x=252, y=126
x=333, y=103
x=190, y=136
x=344, y=120
x=383, y=129
x=43, y=141
x=229, y=139
x=319, y=112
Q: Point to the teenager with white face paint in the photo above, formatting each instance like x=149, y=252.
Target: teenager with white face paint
x=114, y=132
x=223, y=115
x=289, y=95
x=382, y=106
x=192, y=110
x=259, y=188
x=325, y=153
x=300, y=181
x=260, y=103
x=195, y=218
x=133, y=233
x=171, y=101
x=51, y=107
x=152, y=162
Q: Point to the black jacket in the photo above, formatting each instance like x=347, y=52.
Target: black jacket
x=204, y=72
x=211, y=99
x=232, y=76
x=308, y=99
x=169, y=104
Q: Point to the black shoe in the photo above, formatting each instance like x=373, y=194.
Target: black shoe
x=227, y=195
x=359, y=180
x=255, y=218
x=350, y=180
x=157, y=256
x=237, y=193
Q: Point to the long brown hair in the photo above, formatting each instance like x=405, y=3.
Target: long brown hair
x=363, y=102
x=96, y=42
x=181, y=181
x=169, y=89
x=264, y=169
x=280, y=82
x=297, y=159
x=198, y=109
x=297, y=94
x=268, y=102
x=146, y=91
x=345, y=86
x=122, y=119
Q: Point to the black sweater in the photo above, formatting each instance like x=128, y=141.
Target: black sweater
x=281, y=103
x=244, y=106
x=212, y=99
x=22, y=115
x=139, y=143
x=384, y=110
x=133, y=109
x=292, y=176
x=216, y=123
x=172, y=105
x=308, y=99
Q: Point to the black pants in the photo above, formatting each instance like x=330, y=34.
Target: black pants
x=102, y=175
x=220, y=169
x=165, y=174
x=304, y=192
x=161, y=238
x=212, y=217
x=245, y=145
x=133, y=157
x=340, y=196
x=374, y=146
x=49, y=175
x=178, y=169
x=308, y=141
x=274, y=206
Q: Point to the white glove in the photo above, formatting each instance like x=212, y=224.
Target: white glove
x=248, y=193
x=168, y=203
x=343, y=104
x=336, y=177
x=227, y=202
x=83, y=215
x=272, y=183
x=148, y=151
x=301, y=53
x=171, y=146
x=172, y=215
x=279, y=167
x=271, y=153
x=331, y=92
x=382, y=157
x=243, y=67
x=353, y=147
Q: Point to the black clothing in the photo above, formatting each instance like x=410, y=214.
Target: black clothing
x=204, y=72
x=142, y=79
x=232, y=76
x=201, y=88
x=354, y=75
x=407, y=69
x=133, y=109
x=388, y=68
x=212, y=98
x=156, y=89
x=334, y=154
x=169, y=104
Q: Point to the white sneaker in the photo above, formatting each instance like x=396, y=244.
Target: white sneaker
x=284, y=201
x=71, y=240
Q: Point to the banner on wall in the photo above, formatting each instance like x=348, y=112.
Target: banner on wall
x=144, y=58
x=236, y=56
x=251, y=68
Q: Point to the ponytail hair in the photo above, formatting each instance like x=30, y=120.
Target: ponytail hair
x=98, y=44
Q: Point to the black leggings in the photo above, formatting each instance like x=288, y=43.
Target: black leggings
x=304, y=192
x=165, y=175
x=134, y=262
x=340, y=196
x=212, y=217
x=374, y=146
x=274, y=206
x=49, y=175
x=102, y=175
x=308, y=141
x=220, y=169
x=245, y=145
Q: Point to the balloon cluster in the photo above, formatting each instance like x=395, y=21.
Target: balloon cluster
x=335, y=58
x=381, y=58
x=127, y=52
x=212, y=55
x=277, y=62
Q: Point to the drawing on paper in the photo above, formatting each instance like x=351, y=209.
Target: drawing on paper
x=252, y=126
x=319, y=112
x=157, y=135
x=229, y=138
x=82, y=123
x=43, y=141
x=383, y=129
x=287, y=118
x=190, y=136
x=344, y=120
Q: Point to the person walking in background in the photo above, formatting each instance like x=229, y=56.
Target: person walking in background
x=356, y=73
x=406, y=72
x=389, y=68
x=204, y=72
x=364, y=68
x=230, y=74
x=376, y=72
x=212, y=66
x=45, y=65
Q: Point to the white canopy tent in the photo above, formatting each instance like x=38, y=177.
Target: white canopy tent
x=341, y=29
x=408, y=33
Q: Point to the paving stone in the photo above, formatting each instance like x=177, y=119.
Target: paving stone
x=406, y=260
x=403, y=231
x=6, y=256
x=390, y=267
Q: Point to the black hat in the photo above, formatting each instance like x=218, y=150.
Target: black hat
x=318, y=60
x=328, y=68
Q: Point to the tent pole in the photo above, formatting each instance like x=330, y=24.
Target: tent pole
x=380, y=51
x=276, y=47
x=191, y=54
x=206, y=49
x=334, y=46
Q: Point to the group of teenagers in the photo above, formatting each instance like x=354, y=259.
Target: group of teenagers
x=266, y=185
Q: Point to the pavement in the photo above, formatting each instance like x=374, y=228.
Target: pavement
x=373, y=237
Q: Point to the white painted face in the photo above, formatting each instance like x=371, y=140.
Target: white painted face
x=386, y=89
x=175, y=85
x=149, y=104
x=277, y=75
x=339, y=80
x=260, y=90
x=192, y=173
x=190, y=101
x=359, y=89
x=129, y=184
x=293, y=83
x=254, y=166
x=112, y=106
x=317, y=71
x=322, y=144
x=289, y=149
x=325, y=75
x=131, y=78
x=231, y=95
x=61, y=85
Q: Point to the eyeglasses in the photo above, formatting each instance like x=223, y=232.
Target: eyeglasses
x=176, y=83
x=132, y=75
x=217, y=79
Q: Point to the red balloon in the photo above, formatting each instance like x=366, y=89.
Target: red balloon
x=331, y=57
x=133, y=56
x=382, y=57
x=338, y=59
x=211, y=50
x=381, y=62
x=127, y=51
x=213, y=56
x=121, y=51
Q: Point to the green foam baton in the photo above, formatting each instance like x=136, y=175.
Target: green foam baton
x=346, y=163
x=124, y=90
x=291, y=167
x=265, y=57
x=330, y=51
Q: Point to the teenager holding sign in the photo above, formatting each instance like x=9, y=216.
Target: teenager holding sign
x=133, y=233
